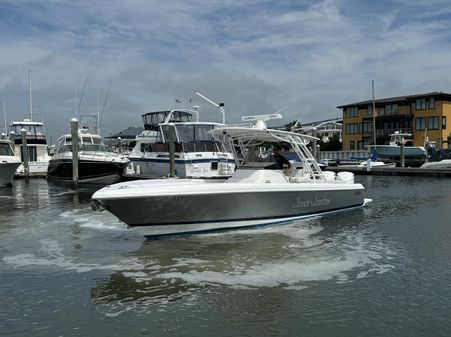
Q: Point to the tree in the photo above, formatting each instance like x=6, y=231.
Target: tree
x=334, y=144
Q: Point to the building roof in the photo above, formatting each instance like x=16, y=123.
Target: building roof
x=400, y=99
x=130, y=132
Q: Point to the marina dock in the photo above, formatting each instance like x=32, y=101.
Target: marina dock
x=393, y=171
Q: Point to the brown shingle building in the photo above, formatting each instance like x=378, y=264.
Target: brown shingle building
x=423, y=115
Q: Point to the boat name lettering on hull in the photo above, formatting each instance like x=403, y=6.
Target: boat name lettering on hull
x=304, y=203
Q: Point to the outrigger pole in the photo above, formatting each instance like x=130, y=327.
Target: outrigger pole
x=220, y=106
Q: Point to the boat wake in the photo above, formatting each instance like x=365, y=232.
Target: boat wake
x=291, y=257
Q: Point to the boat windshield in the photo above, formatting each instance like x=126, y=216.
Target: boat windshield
x=6, y=150
x=259, y=157
x=194, y=132
x=34, y=130
x=152, y=119
x=85, y=143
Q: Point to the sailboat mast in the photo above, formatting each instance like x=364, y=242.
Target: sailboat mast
x=374, y=114
x=98, y=107
x=4, y=114
x=30, y=99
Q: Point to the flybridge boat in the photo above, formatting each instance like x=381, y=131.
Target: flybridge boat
x=197, y=154
x=259, y=193
x=96, y=164
x=36, y=144
x=8, y=162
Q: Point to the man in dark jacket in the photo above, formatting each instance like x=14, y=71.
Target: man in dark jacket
x=281, y=160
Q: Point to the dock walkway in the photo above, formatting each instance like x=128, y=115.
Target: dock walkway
x=395, y=171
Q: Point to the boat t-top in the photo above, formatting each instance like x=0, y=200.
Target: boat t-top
x=259, y=192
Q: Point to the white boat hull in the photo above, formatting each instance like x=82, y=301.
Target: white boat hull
x=208, y=167
x=7, y=171
x=35, y=169
x=394, y=151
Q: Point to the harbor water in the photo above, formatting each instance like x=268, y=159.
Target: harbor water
x=382, y=270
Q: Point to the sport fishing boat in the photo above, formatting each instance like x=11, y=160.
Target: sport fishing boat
x=259, y=192
x=96, y=163
x=8, y=162
x=197, y=154
x=393, y=149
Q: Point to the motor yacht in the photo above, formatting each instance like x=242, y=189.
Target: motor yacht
x=197, y=154
x=96, y=163
x=38, y=157
x=259, y=192
x=8, y=162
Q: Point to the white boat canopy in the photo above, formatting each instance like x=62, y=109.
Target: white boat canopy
x=254, y=136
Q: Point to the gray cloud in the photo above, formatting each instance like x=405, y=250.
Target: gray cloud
x=255, y=56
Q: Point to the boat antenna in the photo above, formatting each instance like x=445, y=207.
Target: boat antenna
x=30, y=99
x=81, y=98
x=104, y=104
x=220, y=106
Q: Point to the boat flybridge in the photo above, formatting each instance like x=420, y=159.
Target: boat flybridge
x=197, y=154
x=259, y=192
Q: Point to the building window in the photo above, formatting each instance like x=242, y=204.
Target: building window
x=432, y=103
x=432, y=123
x=370, y=110
x=420, y=104
x=352, y=145
x=367, y=127
x=420, y=123
x=359, y=145
x=352, y=112
x=391, y=109
x=352, y=128
x=443, y=122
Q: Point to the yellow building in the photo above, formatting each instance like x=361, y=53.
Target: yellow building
x=425, y=115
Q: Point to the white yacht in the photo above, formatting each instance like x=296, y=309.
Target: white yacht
x=393, y=149
x=38, y=157
x=8, y=162
x=197, y=154
x=96, y=163
x=259, y=192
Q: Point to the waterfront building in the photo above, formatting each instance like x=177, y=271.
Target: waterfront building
x=425, y=116
x=324, y=130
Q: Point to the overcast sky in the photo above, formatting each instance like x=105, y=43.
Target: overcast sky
x=255, y=56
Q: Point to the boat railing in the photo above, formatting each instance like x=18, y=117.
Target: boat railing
x=194, y=146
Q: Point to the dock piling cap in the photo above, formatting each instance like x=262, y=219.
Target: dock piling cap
x=74, y=120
